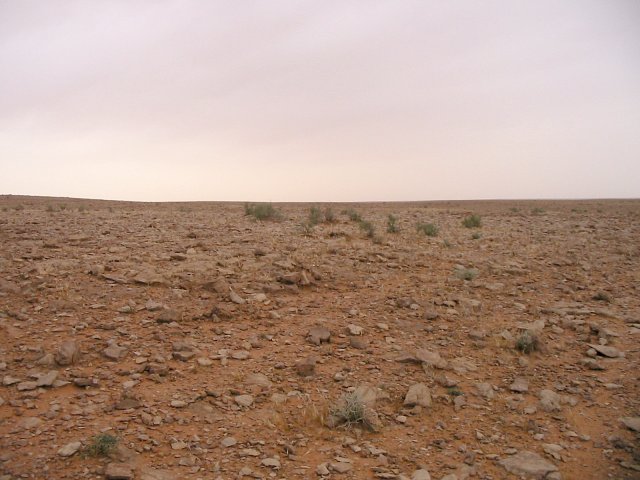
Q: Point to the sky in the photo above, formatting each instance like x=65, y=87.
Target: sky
x=332, y=100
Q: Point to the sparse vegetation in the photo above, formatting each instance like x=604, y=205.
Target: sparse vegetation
x=101, y=445
x=476, y=235
x=18, y=207
x=351, y=411
x=261, y=211
x=329, y=216
x=472, y=221
x=528, y=342
x=454, y=391
x=50, y=208
x=602, y=297
x=315, y=216
x=537, y=211
x=368, y=228
x=392, y=224
x=353, y=215
x=466, y=273
x=429, y=229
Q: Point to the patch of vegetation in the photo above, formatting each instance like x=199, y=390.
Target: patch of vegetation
x=101, y=445
x=447, y=243
x=429, y=229
x=602, y=297
x=528, y=342
x=454, y=391
x=18, y=207
x=315, y=216
x=261, y=211
x=306, y=228
x=82, y=209
x=466, y=273
x=351, y=411
x=50, y=208
x=537, y=211
x=368, y=228
x=472, y=221
x=329, y=216
x=476, y=236
x=353, y=215
x=392, y=224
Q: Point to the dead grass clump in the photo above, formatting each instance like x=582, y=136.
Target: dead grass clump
x=101, y=445
x=350, y=411
x=472, y=221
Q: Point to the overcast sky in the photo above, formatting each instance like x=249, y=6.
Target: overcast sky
x=320, y=100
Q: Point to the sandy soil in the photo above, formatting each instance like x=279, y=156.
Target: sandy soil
x=181, y=329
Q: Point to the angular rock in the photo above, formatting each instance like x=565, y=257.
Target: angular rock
x=68, y=353
x=306, y=367
x=118, y=471
x=418, y=394
x=69, y=449
x=549, y=401
x=632, y=423
x=318, y=335
x=529, y=465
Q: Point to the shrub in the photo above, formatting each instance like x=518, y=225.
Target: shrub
x=315, y=216
x=50, y=208
x=18, y=207
x=466, y=273
x=261, y=211
x=429, y=229
x=368, y=228
x=392, y=224
x=454, y=391
x=353, y=215
x=350, y=411
x=537, y=211
x=476, y=235
x=101, y=445
x=472, y=221
x=602, y=297
x=329, y=216
x=528, y=342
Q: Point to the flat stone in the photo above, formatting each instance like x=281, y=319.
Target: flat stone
x=318, y=335
x=69, y=449
x=607, y=351
x=421, y=474
x=549, y=401
x=244, y=400
x=114, y=352
x=228, y=442
x=47, y=379
x=528, y=464
x=258, y=379
x=118, y=471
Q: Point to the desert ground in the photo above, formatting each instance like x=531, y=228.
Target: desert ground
x=160, y=341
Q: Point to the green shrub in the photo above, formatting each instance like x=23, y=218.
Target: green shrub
x=101, y=445
x=261, y=211
x=528, y=342
x=329, y=216
x=476, y=235
x=353, y=215
x=315, y=216
x=537, y=211
x=392, y=224
x=368, y=228
x=429, y=229
x=466, y=273
x=472, y=221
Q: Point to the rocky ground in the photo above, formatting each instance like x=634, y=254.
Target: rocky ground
x=191, y=341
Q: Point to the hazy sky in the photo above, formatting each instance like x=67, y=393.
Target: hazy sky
x=320, y=100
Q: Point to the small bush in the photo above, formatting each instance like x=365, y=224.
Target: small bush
x=466, y=273
x=261, y=211
x=447, y=243
x=472, y=221
x=392, y=224
x=101, y=445
x=602, y=297
x=537, y=211
x=353, y=215
x=454, y=391
x=368, y=228
x=315, y=216
x=429, y=229
x=50, y=208
x=82, y=209
x=476, y=236
x=528, y=342
x=306, y=228
x=350, y=411
x=18, y=207
x=329, y=216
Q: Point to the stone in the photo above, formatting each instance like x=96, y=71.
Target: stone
x=607, y=351
x=430, y=358
x=340, y=467
x=354, y=329
x=235, y=298
x=114, y=352
x=118, y=471
x=258, y=379
x=228, y=442
x=322, y=470
x=69, y=449
x=485, y=390
x=68, y=353
x=528, y=464
x=519, y=385
x=549, y=401
x=47, y=379
x=244, y=400
x=306, y=367
x=318, y=335
x=418, y=394
x=421, y=474
x=632, y=423
x=169, y=316
x=271, y=463
x=358, y=343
